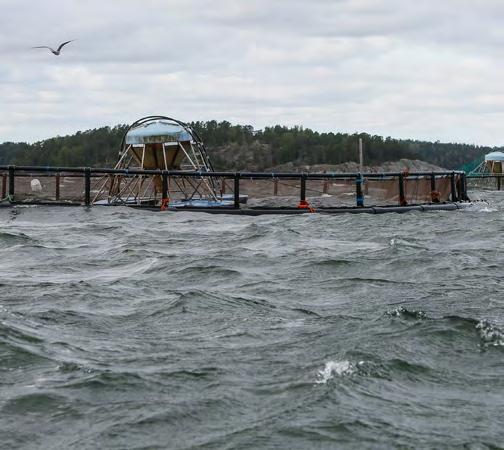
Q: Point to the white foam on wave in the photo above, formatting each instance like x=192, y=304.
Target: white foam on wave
x=490, y=334
x=398, y=242
x=335, y=368
x=488, y=210
x=482, y=207
x=401, y=311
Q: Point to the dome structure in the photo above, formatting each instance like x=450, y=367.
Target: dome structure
x=494, y=162
x=157, y=132
x=160, y=143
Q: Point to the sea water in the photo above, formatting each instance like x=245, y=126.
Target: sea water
x=128, y=329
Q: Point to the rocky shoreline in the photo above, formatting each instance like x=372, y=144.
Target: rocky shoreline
x=411, y=165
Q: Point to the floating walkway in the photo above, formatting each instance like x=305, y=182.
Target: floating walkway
x=255, y=211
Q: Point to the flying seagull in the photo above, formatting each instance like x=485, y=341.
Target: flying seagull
x=55, y=52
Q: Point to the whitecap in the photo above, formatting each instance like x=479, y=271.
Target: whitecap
x=335, y=368
x=482, y=207
x=490, y=334
x=488, y=210
x=401, y=311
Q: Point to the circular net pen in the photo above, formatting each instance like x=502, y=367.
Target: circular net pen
x=489, y=174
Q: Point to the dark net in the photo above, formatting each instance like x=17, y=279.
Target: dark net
x=272, y=192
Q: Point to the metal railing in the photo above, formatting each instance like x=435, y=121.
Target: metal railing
x=8, y=175
x=498, y=177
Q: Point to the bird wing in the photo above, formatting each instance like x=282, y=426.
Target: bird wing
x=64, y=43
x=44, y=46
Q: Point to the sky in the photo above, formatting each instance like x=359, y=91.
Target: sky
x=421, y=69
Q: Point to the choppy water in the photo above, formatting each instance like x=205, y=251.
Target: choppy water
x=129, y=329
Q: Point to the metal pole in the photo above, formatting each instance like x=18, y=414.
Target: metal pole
x=303, y=188
x=361, y=158
x=198, y=174
x=57, y=186
x=464, y=187
x=237, y=190
x=402, y=196
x=458, y=187
x=434, y=193
x=358, y=187
x=87, y=186
x=4, y=186
x=164, y=194
x=453, y=188
x=12, y=170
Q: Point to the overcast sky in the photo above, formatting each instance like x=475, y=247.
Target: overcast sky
x=426, y=69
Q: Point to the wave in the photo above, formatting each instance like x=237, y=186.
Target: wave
x=285, y=326
x=406, y=313
x=490, y=334
x=46, y=403
x=335, y=368
x=9, y=239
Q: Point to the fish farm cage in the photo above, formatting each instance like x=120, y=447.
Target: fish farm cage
x=163, y=165
x=246, y=192
x=489, y=173
x=485, y=181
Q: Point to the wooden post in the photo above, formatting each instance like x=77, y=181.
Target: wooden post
x=223, y=186
x=4, y=186
x=57, y=194
x=498, y=182
x=325, y=187
x=275, y=187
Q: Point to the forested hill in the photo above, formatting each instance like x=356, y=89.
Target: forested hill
x=98, y=147
x=238, y=147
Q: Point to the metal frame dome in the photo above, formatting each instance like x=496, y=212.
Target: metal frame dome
x=173, y=146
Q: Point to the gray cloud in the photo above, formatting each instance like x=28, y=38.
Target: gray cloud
x=428, y=70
